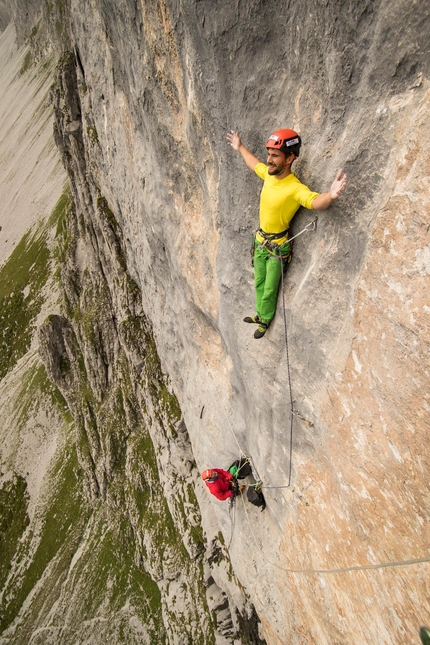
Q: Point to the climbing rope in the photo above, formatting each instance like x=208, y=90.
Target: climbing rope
x=309, y=227
x=232, y=514
x=290, y=465
x=364, y=567
x=242, y=454
x=259, y=483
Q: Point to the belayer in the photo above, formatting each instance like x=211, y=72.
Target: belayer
x=281, y=196
x=221, y=483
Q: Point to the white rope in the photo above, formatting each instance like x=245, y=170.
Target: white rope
x=365, y=567
x=242, y=454
x=232, y=513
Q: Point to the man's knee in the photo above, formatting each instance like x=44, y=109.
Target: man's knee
x=271, y=292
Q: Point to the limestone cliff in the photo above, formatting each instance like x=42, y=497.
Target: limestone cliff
x=149, y=356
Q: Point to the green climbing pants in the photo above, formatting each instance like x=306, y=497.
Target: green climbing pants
x=267, y=274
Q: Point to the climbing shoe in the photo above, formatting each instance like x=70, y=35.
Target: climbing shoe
x=425, y=635
x=252, y=319
x=261, y=330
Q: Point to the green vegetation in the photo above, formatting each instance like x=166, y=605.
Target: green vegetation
x=27, y=63
x=13, y=521
x=115, y=561
x=62, y=208
x=35, y=389
x=103, y=499
x=62, y=528
x=22, y=280
x=92, y=135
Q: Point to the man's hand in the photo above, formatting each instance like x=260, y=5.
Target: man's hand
x=234, y=140
x=324, y=200
x=338, y=186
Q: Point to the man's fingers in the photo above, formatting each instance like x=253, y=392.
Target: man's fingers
x=233, y=139
x=340, y=181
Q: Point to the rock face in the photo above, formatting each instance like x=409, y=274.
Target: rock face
x=101, y=526
x=159, y=266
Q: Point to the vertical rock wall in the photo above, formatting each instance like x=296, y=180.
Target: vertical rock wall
x=159, y=83
x=132, y=443
x=100, y=527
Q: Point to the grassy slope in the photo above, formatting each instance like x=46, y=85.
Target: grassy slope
x=71, y=567
x=109, y=582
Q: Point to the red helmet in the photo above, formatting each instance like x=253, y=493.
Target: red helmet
x=209, y=475
x=286, y=141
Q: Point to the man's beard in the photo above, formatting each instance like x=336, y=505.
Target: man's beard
x=275, y=170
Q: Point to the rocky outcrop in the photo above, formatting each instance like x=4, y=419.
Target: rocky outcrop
x=158, y=265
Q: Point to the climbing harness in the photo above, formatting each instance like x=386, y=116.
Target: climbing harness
x=270, y=237
x=271, y=246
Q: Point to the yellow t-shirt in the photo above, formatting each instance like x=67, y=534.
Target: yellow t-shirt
x=280, y=199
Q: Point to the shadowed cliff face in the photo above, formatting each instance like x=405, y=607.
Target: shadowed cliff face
x=100, y=527
x=158, y=85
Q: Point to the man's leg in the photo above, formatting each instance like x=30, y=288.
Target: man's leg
x=269, y=296
x=260, y=261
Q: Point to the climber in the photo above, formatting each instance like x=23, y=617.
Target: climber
x=221, y=483
x=281, y=196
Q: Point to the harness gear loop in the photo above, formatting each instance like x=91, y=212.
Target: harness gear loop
x=269, y=237
x=234, y=487
x=272, y=236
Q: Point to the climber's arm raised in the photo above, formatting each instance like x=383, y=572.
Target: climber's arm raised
x=234, y=140
x=324, y=200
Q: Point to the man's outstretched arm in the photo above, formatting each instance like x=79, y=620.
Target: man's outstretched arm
x=234, y=140
x=324, y=200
